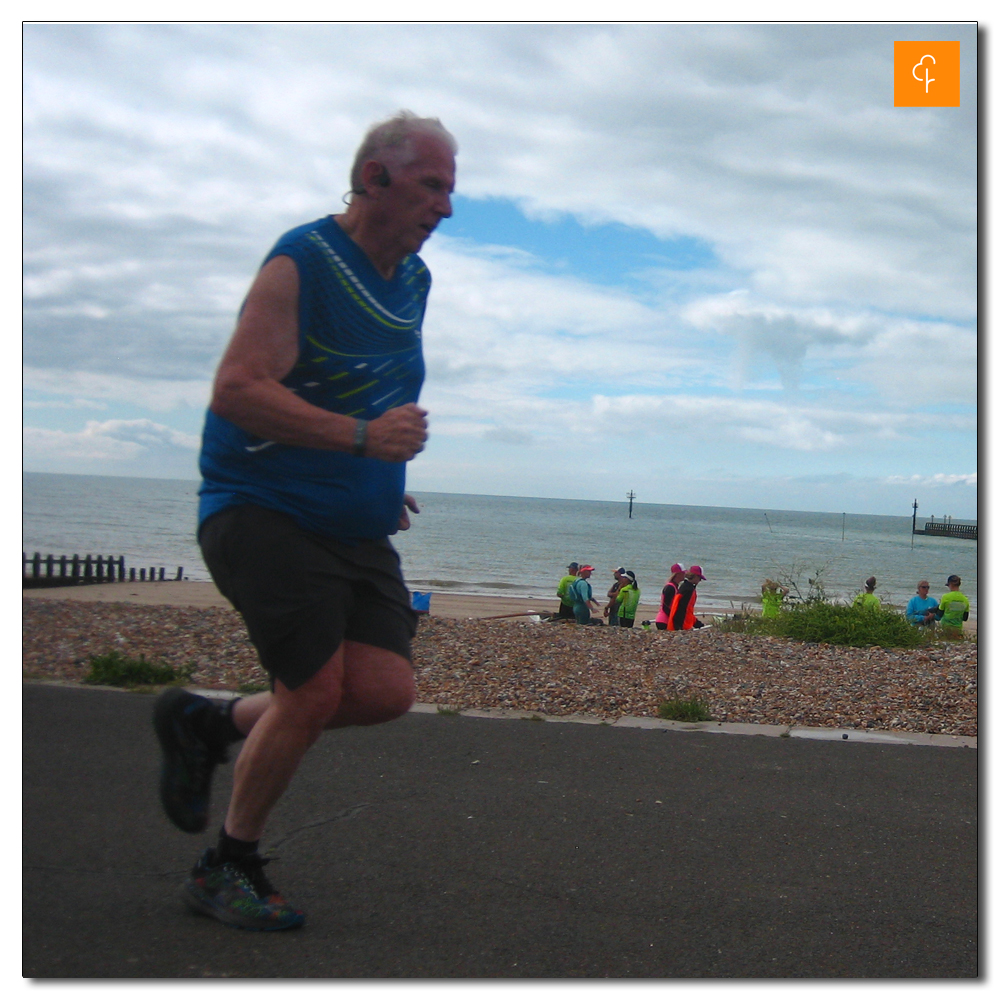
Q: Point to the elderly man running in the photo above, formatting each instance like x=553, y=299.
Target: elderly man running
x=313, y=417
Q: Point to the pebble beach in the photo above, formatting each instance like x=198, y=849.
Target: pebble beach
x=467, y=659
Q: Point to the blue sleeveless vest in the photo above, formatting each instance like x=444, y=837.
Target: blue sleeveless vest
x=360, y=355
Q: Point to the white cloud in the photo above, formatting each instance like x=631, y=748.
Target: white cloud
x=970, y=479
x=901, y=360
x=491, y=318
x=97, y=389
x=111, y=440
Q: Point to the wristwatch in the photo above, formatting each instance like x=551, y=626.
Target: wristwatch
x=360, y=438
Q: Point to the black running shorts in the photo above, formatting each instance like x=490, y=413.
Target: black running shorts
x=302, y=594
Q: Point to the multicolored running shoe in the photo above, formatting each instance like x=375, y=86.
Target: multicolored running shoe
x=239, y=894
x=188, y=759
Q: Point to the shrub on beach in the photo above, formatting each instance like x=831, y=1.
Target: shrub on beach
x=118, y=670
x=844, y=625
x=837, y=624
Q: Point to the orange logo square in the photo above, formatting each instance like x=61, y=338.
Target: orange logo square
x=926, y=74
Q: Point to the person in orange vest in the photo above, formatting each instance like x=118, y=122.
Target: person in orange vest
x=682, y=611
x=668, y=594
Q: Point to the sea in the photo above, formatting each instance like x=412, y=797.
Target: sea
x=520, y=546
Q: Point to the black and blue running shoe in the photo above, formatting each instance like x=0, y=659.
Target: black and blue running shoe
x=239, y=894
x=188, y=758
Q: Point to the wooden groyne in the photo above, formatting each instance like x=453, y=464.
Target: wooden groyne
x=71, y=571
x=949, y=529
x=945, y=528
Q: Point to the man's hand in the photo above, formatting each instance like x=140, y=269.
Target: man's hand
x=397, y=435
x=404, y=517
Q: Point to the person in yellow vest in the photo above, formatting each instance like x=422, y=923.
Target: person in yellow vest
x=771, y=596
x=866, y=600
x=628, y=596
x=562, y=592
x=953, y=608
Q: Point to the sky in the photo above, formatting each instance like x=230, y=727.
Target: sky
x=710, y=264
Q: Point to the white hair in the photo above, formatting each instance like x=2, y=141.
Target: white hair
x=395, y=134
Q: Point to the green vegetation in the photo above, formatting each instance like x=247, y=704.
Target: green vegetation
x=844, y=625
x=837, y=624
x=447, y=711
x=116, y=669
x=252, y=687
x=679, y=710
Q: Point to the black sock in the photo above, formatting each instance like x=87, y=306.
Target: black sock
x=229, y=731
x=231, y=849
x=213, y=722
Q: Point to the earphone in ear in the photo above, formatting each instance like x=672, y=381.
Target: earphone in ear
x=383, y=179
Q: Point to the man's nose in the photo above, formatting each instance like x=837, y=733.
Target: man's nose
x=444, y=206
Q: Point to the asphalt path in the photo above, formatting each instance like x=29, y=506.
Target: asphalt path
x=454, y=847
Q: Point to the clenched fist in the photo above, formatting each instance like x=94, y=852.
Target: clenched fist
x=398, y=434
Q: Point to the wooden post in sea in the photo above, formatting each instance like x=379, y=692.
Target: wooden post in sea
x=913, y=530
x=631, y=497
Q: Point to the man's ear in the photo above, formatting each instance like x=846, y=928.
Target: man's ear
x=374, y=175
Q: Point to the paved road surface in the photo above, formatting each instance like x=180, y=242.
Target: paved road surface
x=442, y=847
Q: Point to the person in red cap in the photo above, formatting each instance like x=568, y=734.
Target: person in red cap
x=583, y=596
x=682, y=610
x=668, y=594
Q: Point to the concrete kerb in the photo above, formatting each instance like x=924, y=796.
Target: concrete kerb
x=641, y=722
x=728, y=728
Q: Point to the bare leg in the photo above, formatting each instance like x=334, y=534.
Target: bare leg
x=359, y=685
x=248, y=710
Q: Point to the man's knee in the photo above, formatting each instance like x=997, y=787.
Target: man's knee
x=378, y=685
x=395, y=699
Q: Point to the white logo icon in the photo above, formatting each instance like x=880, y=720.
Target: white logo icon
x=926, y=79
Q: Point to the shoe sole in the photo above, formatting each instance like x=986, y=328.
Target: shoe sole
x=164, y=727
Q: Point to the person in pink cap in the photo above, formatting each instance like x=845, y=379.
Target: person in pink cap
x=682, y=610
x=668, y=594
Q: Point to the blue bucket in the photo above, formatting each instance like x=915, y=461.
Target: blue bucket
x=421, y=603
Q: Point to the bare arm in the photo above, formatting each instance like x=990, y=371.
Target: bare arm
x=263, y=350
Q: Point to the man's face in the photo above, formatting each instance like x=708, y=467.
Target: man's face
x=419, y=195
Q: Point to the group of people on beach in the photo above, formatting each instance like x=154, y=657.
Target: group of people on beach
x=952, y=611
x=922, y=609
x=677, y=598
